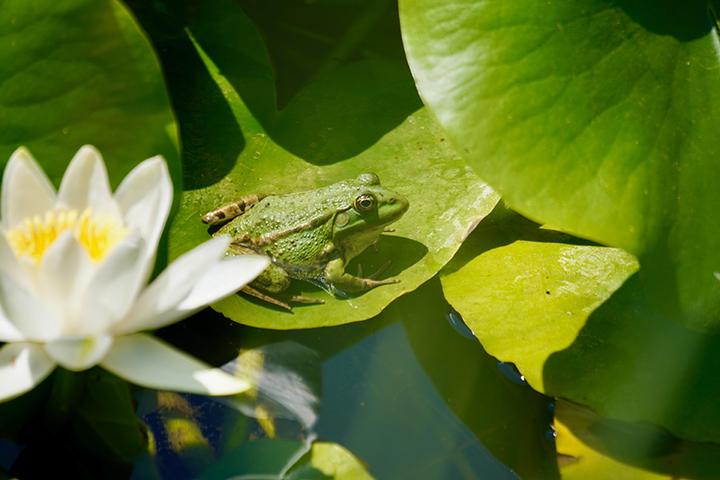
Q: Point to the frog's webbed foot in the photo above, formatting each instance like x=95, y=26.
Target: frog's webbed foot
x=231, y=210
x=306, y=300
x=341, y=281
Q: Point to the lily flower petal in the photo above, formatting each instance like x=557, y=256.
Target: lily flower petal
x=172, y=286
x=8, y=332
x=28, y=313
x=86, y=185
x=79, y=353
x=113, y=288
x=146, y=361
x=224, y=278
x=22, y=366
x=63, y=275
x=144, y=197
x=26, y=190
x=9, y=263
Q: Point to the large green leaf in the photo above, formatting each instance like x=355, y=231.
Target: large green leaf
x=525, y=293
x=595, y=117
x=75, y=72
x=552, y=308
x=361, y=115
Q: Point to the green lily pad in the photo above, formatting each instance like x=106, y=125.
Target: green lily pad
x=593, y=117
x=362, y=115
x=555, y=310
x=328, y=460
x=78, y=72
x=529, y=298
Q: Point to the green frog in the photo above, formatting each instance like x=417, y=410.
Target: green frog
x=310, y=235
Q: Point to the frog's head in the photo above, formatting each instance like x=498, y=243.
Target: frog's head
x=370, y=208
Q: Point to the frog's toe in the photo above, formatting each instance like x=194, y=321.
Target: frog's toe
x=306, y=300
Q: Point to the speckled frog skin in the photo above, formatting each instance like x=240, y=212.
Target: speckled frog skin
x=312, y=235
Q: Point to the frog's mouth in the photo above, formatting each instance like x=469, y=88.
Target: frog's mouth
x=394, y=208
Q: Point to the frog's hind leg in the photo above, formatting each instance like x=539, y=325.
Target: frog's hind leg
x=232, y=210
x=266, y=298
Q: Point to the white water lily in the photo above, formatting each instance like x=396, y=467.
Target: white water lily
x=74, y=265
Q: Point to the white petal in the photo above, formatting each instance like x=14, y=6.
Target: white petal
x=9, y=262
x=79, y=353
x=146, y=361
x=85, y=184
x=225, y=278
x=144, y=198
x=113, y=288
x=27, y=312
x=64, y=273
x=22, y=366
x=26, y=190
x=8, y=331
x=173, y=285
x=190, y=283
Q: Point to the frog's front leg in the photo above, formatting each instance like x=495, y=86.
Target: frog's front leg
x=337, y=277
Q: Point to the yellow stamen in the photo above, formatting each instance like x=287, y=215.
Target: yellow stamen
x=35, y=235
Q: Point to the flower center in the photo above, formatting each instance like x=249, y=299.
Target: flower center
x=35, y=235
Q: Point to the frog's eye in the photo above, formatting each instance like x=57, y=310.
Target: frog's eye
x=364, y=203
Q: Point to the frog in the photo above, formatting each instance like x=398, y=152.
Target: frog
x=310, y=235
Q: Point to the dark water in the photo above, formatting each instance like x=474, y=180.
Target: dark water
x=409, y=393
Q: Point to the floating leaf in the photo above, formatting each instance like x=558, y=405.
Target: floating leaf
x=328, y=460
x=553, y=309
x=594, y=117
x=362, y=115
x=529, y=298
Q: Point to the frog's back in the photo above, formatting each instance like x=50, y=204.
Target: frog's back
x=292, y=228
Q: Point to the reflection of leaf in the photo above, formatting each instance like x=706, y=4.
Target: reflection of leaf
x=78, y=72
x=593, y=117
x=328, y=461
x=410, y=155
x=638, y=445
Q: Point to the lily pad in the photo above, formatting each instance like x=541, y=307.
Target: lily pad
x=75, y=72
x=525, y=294
x=331, y=128
x=555, y=310
x=593, y=117
x=328, y=460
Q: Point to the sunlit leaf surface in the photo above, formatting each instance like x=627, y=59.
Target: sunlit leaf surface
x=537, y=301
x=329, y=460
x=594, y=117
x=356, y=116
x=525, y=294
